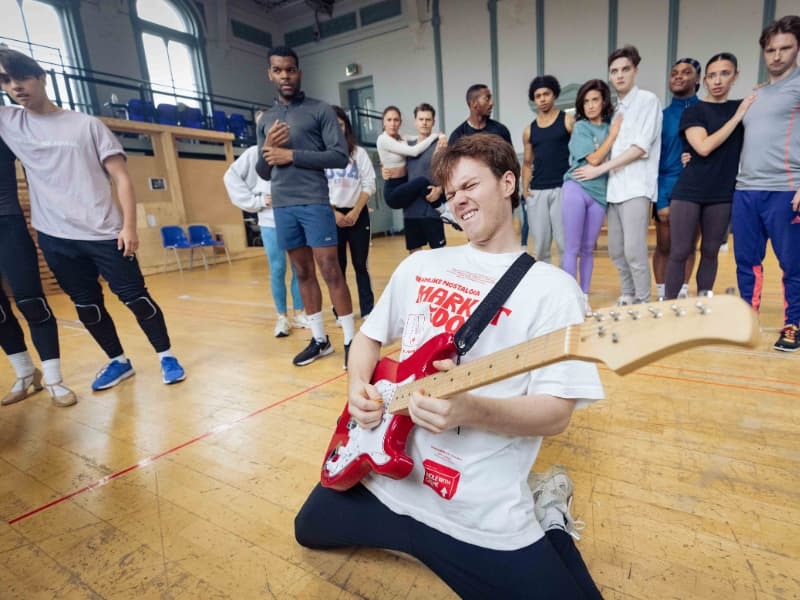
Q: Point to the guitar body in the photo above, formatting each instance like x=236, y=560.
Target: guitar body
x=353, y=452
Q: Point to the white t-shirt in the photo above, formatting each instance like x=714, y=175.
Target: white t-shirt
x=63, y=154
x=393, y=152
x=345, y=185
x=641, y=126
x=246, y=189
x=468, y=483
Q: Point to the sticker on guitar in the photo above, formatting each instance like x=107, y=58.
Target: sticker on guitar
x=623, y=338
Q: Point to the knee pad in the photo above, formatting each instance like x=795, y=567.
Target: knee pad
x=89, y=314
x=35, y=310
x=143, y=308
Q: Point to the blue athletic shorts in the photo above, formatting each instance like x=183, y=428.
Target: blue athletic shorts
x=301, y=225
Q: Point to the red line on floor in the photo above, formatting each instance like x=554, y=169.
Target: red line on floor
x=146, y=461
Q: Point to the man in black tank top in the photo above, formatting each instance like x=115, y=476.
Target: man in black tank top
x=546, y=143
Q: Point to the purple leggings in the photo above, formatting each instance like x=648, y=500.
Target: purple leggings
x=583, y=218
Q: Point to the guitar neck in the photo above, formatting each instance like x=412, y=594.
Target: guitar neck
x=527, y=356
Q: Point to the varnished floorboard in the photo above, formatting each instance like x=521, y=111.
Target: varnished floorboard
x=687, y=476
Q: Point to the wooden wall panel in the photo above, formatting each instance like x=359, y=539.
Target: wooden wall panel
x=204, y=195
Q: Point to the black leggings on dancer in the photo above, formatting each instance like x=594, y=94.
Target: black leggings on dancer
x=402, y=195
x=20, y=266
x=684, y=217
x=550, y=568
x=77, y=265
x=358, y=237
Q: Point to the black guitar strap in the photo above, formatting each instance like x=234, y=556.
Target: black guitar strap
x=470, y=331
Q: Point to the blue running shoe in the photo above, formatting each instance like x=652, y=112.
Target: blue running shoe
x=171, y=370
x=112, y=374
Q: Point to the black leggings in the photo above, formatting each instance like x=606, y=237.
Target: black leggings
x=20, y=265
x=77, y=265
x=550, y=568
x=404, y=194
x=357, y=237
x=684, y=217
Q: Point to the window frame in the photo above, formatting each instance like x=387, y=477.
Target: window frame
x=194, y=39
x=78, y=57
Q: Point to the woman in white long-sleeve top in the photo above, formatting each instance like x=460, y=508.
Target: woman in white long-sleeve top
x=350, y=189
x=252, y=194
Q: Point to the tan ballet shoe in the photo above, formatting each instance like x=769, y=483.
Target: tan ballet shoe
x=63, y=400
x=34, y=380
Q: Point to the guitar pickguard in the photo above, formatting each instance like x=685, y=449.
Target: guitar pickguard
x=362, y=441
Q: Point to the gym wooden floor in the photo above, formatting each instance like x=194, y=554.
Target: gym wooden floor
x=688, y=475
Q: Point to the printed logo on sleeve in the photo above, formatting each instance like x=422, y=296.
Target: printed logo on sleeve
x=441, y=479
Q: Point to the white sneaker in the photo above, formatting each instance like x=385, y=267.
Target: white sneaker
x=587, y=309
x=300, y=321
x=684, y=292
x=553, y=490
x=282, y=326
x=724, y=247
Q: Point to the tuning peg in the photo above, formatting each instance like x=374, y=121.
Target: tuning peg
x=634, y=314
x=657, y=314
x=703, y=308
x=678, y=310
x=614, y=315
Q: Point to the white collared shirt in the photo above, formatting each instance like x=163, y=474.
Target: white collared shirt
x=641, y=126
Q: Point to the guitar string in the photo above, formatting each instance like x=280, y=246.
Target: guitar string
x=535, y=349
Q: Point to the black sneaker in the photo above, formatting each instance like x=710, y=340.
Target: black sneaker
x=788, y=342
x=314, y=351
x=346, y=354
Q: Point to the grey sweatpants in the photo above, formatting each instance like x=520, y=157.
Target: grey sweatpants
x=627, y=245
x=546, y=222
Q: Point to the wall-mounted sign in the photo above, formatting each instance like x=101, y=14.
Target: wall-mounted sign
x=352, y=69
x=157, y=183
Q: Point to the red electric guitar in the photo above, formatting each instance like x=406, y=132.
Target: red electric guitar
x=624, y=338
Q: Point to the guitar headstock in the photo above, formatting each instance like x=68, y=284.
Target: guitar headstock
x=626, y=337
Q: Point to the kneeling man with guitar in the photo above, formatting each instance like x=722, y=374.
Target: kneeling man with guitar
x=465, y=509
x=432, y=458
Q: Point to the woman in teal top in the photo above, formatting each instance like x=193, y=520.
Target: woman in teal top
x=584, y=202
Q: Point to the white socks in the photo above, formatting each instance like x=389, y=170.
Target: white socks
x=164, y=354
x=317, y=326
x=553, y=519
x=348, y=323
x=661, y=290
x=23, y=367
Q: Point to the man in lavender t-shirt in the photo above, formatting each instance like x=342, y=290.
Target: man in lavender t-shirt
x=82, y=231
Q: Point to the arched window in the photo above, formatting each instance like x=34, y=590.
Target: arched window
x=45, y=30
x=170, y=43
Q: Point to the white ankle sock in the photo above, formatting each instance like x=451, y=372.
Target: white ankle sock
x=684, y=289
x=317, y=326
x=661, y=289
x=22, y=363
x=52, y=371
x=553, y=519
x=348, y=323
x=52, y=377
x=121, y=358
x=165, y=353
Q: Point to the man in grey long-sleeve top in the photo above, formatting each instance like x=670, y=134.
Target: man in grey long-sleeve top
x=299, y=138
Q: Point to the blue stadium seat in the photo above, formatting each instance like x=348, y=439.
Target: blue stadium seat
x=219, y=120
x=192, y=117
x=167, y=114
x=141, y=110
